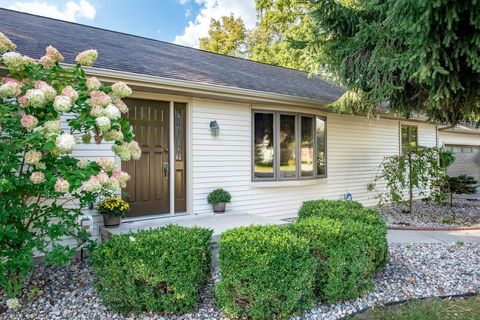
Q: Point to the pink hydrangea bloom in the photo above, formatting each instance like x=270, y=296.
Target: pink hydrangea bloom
x=70, y=92
x=23, y=101
x=47, y=90
x=106, y=164
x=121, y=106
x=87, y=57
x=10, y=89
x=99, y=98
x=97, y=112
x=54, y=54
x=37, y=177
x=93, y=84
x=61, y=185
x=29, y=122
x=92, y=185
x=121, y=176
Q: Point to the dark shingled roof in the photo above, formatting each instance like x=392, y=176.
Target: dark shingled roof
x=124, y=52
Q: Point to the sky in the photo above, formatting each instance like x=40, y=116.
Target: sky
x=178, y=21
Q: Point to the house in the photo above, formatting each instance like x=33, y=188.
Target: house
x=277, y=143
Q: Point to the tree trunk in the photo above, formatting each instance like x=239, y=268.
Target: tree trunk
x=410, y=183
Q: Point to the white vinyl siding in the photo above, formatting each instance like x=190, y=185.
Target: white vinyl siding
x=355, y=148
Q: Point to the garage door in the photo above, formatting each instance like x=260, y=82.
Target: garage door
x=467, y=161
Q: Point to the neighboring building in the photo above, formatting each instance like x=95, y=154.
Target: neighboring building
x=278, y=142
x=464, y=141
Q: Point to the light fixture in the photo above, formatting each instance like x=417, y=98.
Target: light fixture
x=214, y=128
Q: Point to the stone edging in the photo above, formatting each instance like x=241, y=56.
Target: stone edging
x=433, y=228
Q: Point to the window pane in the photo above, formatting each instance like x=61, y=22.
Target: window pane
x=409, y=137
x=263, y=145
x=287, y=146
x=306, y=151
x=413, y=137
x=321, y=147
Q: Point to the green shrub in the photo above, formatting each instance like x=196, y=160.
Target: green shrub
x=219, y=196
x=344, y=269
x=266, y=272
x=158, y=270
x=326, y=208
x=375, y=229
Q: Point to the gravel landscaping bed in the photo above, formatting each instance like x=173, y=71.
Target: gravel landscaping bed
x=463, y=213
x=413, y=271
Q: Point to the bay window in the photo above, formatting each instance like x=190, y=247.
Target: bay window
x=288, y=146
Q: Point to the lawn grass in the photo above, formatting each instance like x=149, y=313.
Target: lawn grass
x=429, y=309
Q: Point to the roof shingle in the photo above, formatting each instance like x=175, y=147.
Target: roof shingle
x=124, y=52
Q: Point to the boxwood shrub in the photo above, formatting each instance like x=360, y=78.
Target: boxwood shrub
x=344, y=268
x=158, y=270
x=375, y=229
x=266, y=272
x=327, y=208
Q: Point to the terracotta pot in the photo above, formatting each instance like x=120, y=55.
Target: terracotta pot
x=219, y=207
x=111, y=221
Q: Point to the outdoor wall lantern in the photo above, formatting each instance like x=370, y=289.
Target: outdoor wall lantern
x=214, y=128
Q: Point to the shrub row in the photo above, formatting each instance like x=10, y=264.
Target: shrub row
x=158, y=270
x=331, y=253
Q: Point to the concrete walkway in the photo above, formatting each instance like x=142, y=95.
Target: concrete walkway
x=222, y=222
x=413, y=236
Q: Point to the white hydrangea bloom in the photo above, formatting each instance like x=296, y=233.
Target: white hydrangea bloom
x=103, y=123
x=82, y=164
x=65, y=143
x=112, y=112
x=113, y=135
x=36, y=98
x=62, y=104
x=13, y=303
x=87, y=57
x=6, y=44
x=14, y=61
x=121, y=89
x=61, y=185
x=33, y=157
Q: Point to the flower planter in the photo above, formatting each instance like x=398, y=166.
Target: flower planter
x=111, y=221
x=219, y=207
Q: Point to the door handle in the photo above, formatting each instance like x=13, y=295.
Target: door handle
x=165, y=169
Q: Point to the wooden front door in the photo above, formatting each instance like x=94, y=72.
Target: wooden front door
x=148, y=190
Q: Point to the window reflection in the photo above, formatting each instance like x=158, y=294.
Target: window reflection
x=263, y=145
x=306, y=148
x=321, y=147
x=287, y=146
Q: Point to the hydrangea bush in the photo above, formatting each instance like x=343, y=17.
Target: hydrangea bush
x=43, y=188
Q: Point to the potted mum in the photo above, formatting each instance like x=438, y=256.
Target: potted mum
x=219, y=198
x=113, y=209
